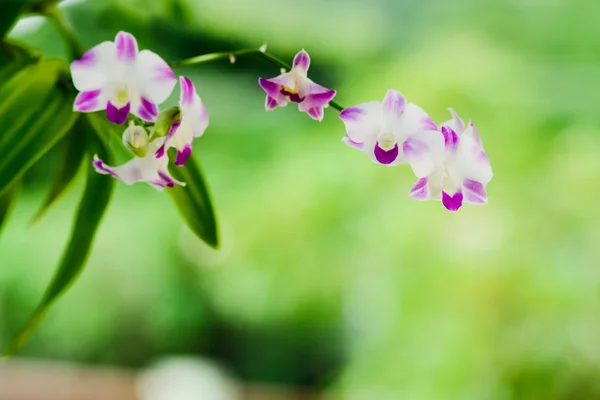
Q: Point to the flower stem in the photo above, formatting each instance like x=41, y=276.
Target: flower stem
x=232, y=55
x=64, y=27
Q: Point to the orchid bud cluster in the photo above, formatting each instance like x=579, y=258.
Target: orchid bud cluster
x=448, y=159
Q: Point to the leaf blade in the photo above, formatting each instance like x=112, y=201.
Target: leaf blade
x=194, y=202
x=6, y=203
x=36, y=113
x=72, y=159
x=95, y=201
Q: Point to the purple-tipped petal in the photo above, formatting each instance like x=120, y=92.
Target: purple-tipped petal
x=187, y=91
x=87, y=60
x=270, y=103
x=352, y=114
x=474, y=192
x=394, y=103
x=117, y=115
x=270, y=87
x=316, y=113
x=386, y=156
x=147, y=111
x=102, y=168
x=450, y=139
x=127, y=47
x=346, y=139
x=301, y=61
x=427, y=124
x=167, y=180
x=173, y=129
x=160, y=153
x=414, y=148
x=320, y=99
x=457, y=122
x=452, y=203
x=154, y=77
x=183, y=155
x=87, y=101
x=420, y=191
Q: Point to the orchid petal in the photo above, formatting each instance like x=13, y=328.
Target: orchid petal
x=346, y=139
x=153, y=76
x=456, y=123
x=471, y=160
x=127, y=47
x=450, y=139
x=90, y=101
x=91, y=71
x=454, y=202
x=414, y=120
x=193, y=111
x=301, y=61
x=117, y=115
x=273, y=89
x=386, y=157
x=393, y=104
x=474, y=192
x=424, y=152
x=147, y=110
x=363, y=121
x=420, y=191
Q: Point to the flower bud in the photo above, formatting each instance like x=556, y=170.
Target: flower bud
x=164, y=121
x=135, y=138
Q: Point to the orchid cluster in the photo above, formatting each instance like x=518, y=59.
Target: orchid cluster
x=117, y=77
x=448, y=159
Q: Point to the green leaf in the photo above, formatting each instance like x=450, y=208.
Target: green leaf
x=14, y=58
x=72, y=158
x=94, y=203
x=194, y=202
x=10, y=14
x=6, y=201
x=36, y=111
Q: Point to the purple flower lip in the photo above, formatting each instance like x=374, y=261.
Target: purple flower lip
x=294, y=97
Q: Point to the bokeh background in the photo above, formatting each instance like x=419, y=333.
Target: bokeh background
x=330, y=277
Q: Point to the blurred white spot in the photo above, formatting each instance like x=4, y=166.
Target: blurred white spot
x=263, y=48
x=27, y=25
x=185, y=379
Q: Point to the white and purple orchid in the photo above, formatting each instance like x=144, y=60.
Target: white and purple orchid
x=192, y=124
x=391, y=132
x=461, y=169
x=295, y=86
x=150, y=169
x=116, y=77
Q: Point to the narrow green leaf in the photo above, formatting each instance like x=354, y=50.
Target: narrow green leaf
x=10, y=14
x=14, y=58
x=6, y=201
x=194, y=201
x=72, y=158
x=35, y=113
x=94, y=203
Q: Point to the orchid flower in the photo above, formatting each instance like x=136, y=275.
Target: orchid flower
x=392, y=132
x=115, y=77
x=148, y=168
x=193, y=123
x=461, y=171
x=295, y=86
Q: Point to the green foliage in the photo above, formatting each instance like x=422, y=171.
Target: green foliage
x=9, y=15
x=72, y=157
x=6, y=201
x=36, y=112
x=194, y=201
x=87, y=220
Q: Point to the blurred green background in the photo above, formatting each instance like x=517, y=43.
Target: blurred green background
x=330, y=276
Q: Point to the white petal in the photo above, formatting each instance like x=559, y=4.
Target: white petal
x=95, y=69
x=363, y=121
x=456, y=123
x=154, y=78
x=471, y=161
x=424, y=152
x=414, y=120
